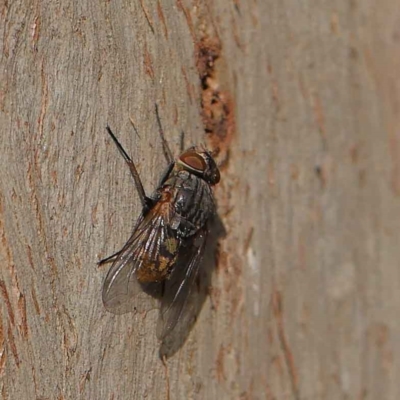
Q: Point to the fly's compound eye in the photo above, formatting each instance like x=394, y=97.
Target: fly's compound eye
x=201, y=164
x=193, y=161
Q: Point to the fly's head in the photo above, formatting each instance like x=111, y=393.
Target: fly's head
x=200, y=163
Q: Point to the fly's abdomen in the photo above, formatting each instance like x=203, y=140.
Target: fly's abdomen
x=156, y=262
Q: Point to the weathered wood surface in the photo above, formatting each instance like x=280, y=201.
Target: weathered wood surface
x=304, y=302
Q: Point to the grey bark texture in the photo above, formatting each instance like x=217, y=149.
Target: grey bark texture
x=303, y=102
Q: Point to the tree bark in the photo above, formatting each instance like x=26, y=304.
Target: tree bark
x=301, y=103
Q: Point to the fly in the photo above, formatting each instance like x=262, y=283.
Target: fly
x=163, y=254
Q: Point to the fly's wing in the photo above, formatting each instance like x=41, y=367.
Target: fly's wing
x=122, y=292
x=178, y=286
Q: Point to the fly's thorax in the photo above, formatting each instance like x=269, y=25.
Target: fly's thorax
x=191, y=202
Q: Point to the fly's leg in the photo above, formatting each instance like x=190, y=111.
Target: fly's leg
x=109, y=259
x=146, y=201
x=167, y=151
x=182, y=141
x=134, y=127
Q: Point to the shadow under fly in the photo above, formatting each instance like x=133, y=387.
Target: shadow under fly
x=162, y=258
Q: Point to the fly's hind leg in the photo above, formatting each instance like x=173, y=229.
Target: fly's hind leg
x=109, y=259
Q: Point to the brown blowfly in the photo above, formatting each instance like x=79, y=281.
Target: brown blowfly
x=163, y=254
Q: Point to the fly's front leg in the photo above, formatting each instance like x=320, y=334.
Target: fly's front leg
x=146, y=201
x=167, y=151
x=182, y=142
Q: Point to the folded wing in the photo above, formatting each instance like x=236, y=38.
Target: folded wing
x=122, y=292
x=178, y=287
